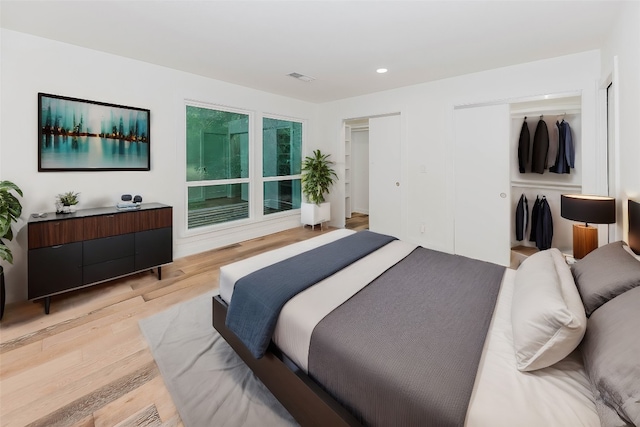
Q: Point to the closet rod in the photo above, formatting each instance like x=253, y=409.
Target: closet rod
x=551, y=186
x=556, y=111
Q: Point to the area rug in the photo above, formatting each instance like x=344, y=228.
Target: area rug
x=210, y=385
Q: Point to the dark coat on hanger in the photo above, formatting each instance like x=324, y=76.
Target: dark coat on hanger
x=565, y=159
x=540, y=148
x=544, y=225
x=523, y=147
x=534, y=219
x=522, y=217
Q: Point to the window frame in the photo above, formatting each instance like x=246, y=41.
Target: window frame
x=254, y=180
x=263, y=179
x=200, y=183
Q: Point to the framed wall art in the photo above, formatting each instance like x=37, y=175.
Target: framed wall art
x=81, y=135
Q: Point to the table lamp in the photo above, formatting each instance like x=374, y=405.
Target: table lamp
x=587, y=209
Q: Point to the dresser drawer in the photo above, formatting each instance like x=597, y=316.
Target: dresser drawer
x=51, y=233
x=155, y=218
x=54, y=269
x=99, y=226
x=106, y=249
x=107, y=270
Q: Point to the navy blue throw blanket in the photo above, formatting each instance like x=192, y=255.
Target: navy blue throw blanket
x=259, y=296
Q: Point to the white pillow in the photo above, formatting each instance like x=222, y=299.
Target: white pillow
x=547, y=315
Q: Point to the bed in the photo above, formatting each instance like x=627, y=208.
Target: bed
x=372, y=341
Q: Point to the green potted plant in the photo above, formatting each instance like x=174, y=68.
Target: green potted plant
x=10, y=211
x=65, y=202
x=318, y=176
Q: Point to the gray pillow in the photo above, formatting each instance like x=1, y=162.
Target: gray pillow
x=604, y=274
x=611, y=349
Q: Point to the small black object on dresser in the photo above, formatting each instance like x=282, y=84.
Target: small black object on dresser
x=91, y=246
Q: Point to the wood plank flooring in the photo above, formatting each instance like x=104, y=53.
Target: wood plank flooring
x=358, y=221
x=87, y=363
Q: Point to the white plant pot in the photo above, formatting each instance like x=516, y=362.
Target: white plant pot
x=312, y=214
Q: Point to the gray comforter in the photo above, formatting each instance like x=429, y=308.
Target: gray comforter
x=404, y=351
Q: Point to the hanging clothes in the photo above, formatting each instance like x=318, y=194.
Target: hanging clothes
x=522, y=217
x=540, y=148
x=544, y=225
x=568, y=140
x=565, y=158
x=553, y=145
x=523, y=147
x=534, y=219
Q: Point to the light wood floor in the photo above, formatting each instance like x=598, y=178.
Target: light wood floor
x=358, y=221
x=87, y=363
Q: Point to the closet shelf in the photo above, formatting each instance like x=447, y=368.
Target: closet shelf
x=548, y=185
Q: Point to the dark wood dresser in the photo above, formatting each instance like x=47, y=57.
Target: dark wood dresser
x=71, y=251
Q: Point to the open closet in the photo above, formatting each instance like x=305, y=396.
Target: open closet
x=560, y=117
x=488, y=181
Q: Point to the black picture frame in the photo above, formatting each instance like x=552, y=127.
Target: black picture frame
x=81, y=135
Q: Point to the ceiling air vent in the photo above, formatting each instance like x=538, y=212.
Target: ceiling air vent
x=301, y=77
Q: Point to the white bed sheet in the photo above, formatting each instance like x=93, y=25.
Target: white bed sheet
x=559, y=395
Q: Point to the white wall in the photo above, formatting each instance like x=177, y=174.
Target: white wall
x=624, y=46
x=32, y=64
x=427, y=132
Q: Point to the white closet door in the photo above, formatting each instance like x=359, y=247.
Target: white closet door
x=482, y=195
x=385, y=188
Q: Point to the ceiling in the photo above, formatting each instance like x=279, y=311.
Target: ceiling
x=339, y=43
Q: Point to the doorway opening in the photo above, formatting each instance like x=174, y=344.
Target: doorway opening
x=357, y=174
x=373, y=172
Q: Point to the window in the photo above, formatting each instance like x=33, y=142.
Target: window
x=220, y=188
x=217, y=154
x=281, y=163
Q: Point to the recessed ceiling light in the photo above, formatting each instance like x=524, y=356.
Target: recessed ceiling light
x=381, y=70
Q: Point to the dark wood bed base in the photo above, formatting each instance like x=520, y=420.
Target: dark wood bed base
x=305, y=400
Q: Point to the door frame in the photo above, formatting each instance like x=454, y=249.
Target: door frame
x=340, y=167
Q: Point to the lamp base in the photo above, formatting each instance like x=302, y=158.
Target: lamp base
x=585, y=239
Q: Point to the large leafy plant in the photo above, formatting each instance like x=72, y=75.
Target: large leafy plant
x=10, y=210
x=317, y=176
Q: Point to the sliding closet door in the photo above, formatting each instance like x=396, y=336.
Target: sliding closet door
x=385, y=189
x=482, y=195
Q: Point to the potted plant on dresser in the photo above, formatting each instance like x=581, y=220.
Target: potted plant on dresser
x=317, y=177
x=10, y=210
x=66, y=202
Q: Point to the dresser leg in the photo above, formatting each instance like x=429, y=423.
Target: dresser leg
x=47, y=304
x=160, y=273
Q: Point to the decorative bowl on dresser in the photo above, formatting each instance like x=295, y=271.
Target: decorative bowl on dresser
x=90, y=246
